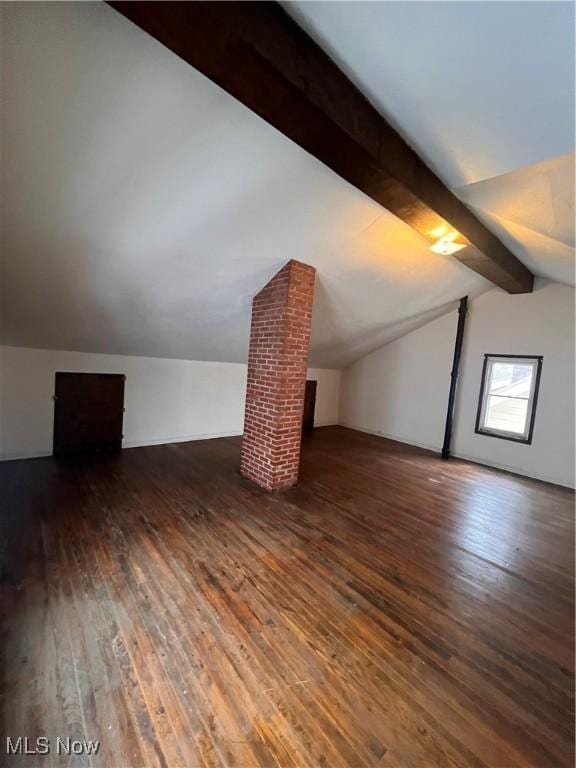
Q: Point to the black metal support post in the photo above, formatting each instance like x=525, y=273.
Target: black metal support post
x=454, y=376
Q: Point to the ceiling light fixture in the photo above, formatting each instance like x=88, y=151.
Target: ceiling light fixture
x=446, y=245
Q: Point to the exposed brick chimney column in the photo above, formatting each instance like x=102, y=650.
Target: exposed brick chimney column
x=277, y=364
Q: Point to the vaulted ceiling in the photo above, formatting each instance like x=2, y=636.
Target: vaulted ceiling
x=143, y=206
x=485, y=93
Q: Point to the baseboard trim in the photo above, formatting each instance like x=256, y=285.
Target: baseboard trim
x=216, y=435
x=132, y=444
x=22, y=456
x=472, y=459
x=181, y=439
x=145, y=443
x=387, y=436
x=513, y=471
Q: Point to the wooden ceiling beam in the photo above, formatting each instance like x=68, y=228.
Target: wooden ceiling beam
x=258, y=54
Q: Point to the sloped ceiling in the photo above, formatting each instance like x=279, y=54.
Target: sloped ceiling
x=143, y=207
x=484, y=91
x=532, y=212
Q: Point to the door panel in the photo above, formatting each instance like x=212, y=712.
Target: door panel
x=88, y=413
x=309, y=406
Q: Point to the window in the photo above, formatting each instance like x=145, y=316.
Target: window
x=508, y=395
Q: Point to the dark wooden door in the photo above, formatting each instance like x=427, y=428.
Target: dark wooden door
x=309, y=406
x=88, y=413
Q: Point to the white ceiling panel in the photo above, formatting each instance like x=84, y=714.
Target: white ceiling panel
x=478, y=88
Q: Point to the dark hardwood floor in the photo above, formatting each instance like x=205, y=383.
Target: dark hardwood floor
x=392, y=610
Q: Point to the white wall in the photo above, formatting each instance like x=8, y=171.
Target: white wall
x=401, y=390
x=166, y=400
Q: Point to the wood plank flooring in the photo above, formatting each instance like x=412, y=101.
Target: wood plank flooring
x=393, y=610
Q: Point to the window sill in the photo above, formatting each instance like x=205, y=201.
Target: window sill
x=502, y=436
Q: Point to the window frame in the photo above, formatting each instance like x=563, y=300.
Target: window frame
x=532, y=400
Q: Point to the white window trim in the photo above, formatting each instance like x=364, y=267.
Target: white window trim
x=489, y=360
